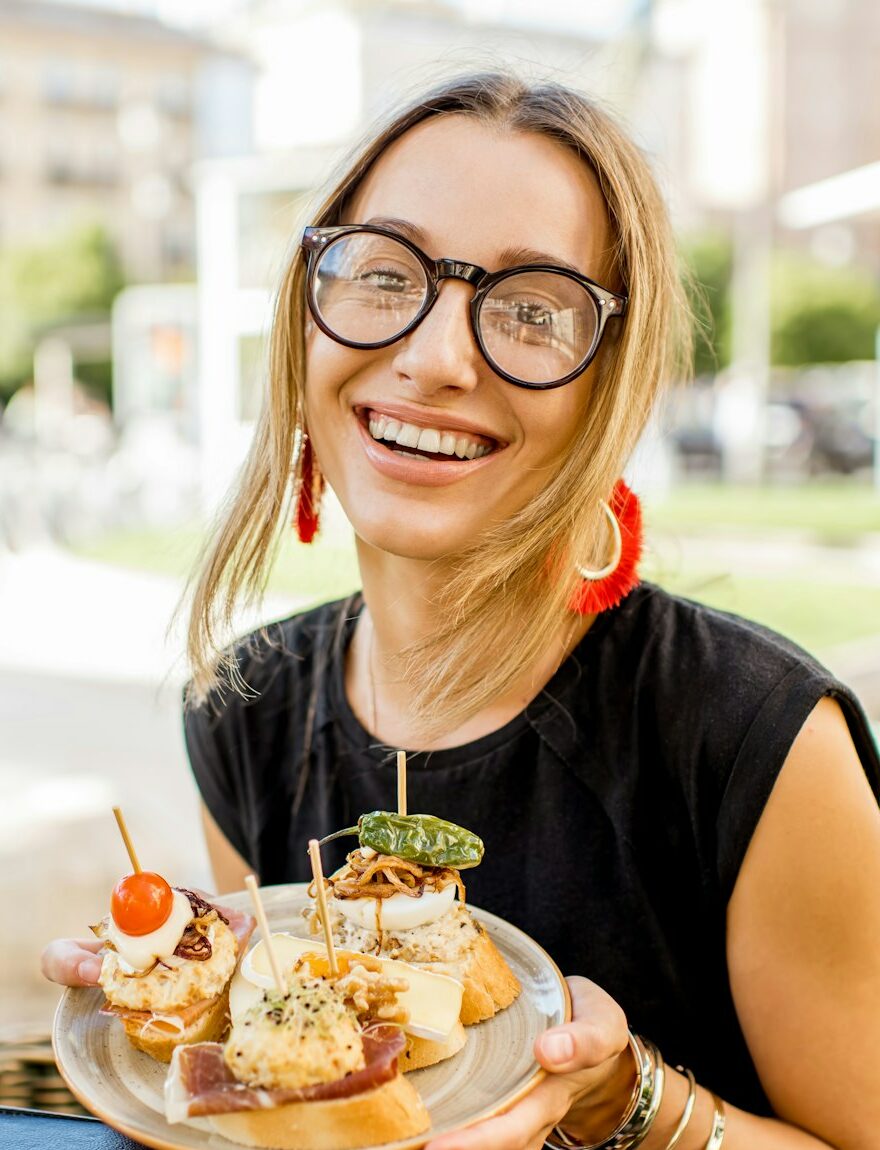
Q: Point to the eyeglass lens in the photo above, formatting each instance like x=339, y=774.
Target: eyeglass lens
x=536, y=326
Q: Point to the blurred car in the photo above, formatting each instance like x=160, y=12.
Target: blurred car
x=810, y=430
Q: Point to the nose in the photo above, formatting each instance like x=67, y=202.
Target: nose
x=441, y=351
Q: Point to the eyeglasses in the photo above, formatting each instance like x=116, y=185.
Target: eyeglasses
x=538, y=325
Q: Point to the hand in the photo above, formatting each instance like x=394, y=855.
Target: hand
x=591, y=1079
x=72, y=961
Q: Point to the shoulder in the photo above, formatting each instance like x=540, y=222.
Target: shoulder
x=723, y=681
x=715, y=673
x=277, y=661
x=672, y=631
x=728, y=699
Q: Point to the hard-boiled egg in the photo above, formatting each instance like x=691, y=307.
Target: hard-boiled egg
x=399, y=912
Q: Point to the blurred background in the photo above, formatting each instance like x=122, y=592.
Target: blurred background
x=156, y=158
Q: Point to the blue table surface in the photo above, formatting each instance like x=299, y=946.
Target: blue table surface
x=38, y=1129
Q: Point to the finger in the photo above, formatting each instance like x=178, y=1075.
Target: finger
x=72, y=961
x=524, y=1125
x=596, y=1033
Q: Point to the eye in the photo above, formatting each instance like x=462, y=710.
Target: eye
x=533, y=314
x=386, y=279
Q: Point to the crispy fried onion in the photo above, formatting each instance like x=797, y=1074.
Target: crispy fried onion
x=385, y=875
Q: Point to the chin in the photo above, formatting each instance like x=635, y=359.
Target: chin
x=427, y=541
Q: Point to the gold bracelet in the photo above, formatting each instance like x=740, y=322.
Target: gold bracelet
x=643, y=1106
x=688, y=1109
x=719, y=1121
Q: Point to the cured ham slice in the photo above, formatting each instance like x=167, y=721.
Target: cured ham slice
x=200, y=1083
x=185, y=1015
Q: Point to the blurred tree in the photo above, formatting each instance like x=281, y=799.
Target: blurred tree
x=821, y=314
x=66, y=280
x=709, y=263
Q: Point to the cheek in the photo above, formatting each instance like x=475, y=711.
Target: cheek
x=328, y=366
x=553, y=418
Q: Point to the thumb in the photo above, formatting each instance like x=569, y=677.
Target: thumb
x=597, y=1031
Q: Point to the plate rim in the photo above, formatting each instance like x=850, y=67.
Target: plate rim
x=416, y=1141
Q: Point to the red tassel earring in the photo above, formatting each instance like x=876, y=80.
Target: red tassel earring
x=606, y=587
x=311, y=487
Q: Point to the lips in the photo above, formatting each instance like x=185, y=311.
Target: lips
x=423, y=449
x=424, y=437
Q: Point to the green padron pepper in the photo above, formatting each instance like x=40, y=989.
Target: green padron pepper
x=419, y=838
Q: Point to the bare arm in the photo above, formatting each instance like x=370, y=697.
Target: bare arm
x=803, y=950
x=804, y=940
x=227, y=864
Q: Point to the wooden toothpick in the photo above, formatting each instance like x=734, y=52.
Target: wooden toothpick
x=253, y=890
x=401, y=782
x=123, y=830
x=321, y=899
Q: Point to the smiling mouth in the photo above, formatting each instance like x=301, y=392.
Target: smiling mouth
x=431, y=444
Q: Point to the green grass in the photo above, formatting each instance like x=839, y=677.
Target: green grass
x=833, y=512
x=313, y=573
x=818, y=616
x=814, y=612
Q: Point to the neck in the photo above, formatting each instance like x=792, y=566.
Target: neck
x=400, y=597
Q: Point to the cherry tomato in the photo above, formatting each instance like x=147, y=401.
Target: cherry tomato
x=141, y=902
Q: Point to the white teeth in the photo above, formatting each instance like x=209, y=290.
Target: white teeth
x=424, y=438
x=408, y=436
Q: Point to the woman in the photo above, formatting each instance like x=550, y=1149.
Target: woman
x=679, y=805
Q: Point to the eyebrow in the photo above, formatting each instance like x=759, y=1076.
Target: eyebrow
x=510, y=257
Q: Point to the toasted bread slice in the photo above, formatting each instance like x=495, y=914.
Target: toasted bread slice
x=489, y=983
x=386, y=1114
x=422, y=1052
x=158, y=1038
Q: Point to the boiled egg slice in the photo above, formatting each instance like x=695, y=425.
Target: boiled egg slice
x=399, y=912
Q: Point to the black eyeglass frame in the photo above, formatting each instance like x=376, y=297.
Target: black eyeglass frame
x=608, y=304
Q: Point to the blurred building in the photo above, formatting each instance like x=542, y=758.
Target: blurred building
x=101, y=116
x=761, y=97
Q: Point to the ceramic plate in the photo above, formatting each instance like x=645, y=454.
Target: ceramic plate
x=123, y=1086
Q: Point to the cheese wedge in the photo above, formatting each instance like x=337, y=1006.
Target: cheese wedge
x=432, y=1000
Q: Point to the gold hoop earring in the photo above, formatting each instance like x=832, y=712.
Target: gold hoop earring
x=591, y=575
x=605, y=588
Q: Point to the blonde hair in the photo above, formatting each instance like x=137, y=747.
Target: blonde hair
x=476, y=653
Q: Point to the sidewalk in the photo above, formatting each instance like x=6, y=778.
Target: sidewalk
x=62, y=615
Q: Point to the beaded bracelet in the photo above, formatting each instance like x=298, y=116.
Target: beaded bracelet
x=641, y=1111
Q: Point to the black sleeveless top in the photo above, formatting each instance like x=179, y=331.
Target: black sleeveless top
x=616, y=809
